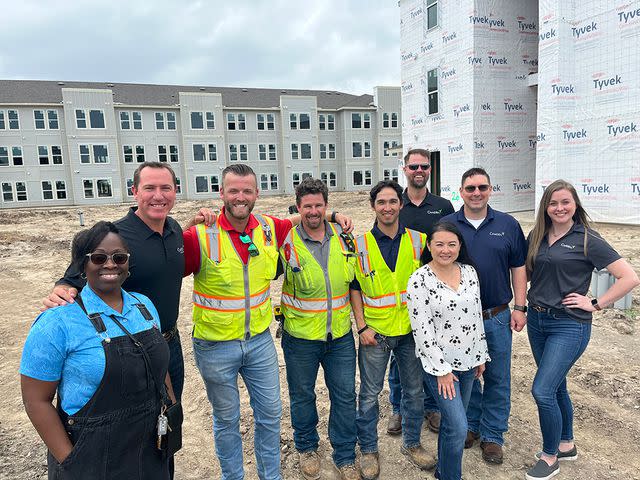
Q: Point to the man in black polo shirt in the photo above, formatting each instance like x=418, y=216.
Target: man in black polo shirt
x=420, y=210
x=156, y=264
x=498, y=249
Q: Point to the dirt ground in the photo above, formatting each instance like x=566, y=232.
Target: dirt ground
x=605, y=386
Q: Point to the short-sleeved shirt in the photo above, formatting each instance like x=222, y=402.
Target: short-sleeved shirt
x=156, y=265
x=422, y=217
x=192, y=246
x=495, y=247
x=63, y=345
x=563, y=268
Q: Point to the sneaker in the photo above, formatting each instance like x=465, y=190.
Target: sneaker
x=569, y=455
x=419, y=457
x=310, y=465
x=492, y=452
x=471, y=439
x=395, y=424
x=433, y=421
x=369, y=466
x=349, y=472
x=543, y=471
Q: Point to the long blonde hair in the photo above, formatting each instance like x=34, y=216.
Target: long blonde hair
x=543, y=222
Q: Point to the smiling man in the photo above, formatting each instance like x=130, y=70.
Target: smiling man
x=498, y=248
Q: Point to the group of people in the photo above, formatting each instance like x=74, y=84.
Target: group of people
x=428, y=287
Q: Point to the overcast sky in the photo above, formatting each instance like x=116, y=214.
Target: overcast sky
x=347, y=45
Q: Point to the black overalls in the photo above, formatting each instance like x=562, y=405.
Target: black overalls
x=114, y=434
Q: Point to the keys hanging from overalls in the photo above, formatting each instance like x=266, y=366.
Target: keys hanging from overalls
x=162, y=427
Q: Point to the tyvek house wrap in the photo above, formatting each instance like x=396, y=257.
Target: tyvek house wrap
x=589, y=104
x=483, y=52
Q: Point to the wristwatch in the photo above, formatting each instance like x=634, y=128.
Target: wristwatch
x=594, y=302
x=520, y=308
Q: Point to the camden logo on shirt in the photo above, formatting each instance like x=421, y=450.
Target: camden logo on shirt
x=180, y=249
x=496, y=234
x=570, y=247
x=434, y=212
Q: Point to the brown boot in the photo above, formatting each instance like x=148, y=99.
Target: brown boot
x=394, y=426
x=419, y=457
x=433, y=421
x=349, y=472
x=369, y=466
x=310, y=465
x=492, y=452
x=471, y=438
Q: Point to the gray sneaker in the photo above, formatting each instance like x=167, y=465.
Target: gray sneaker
x=543, y=471
x=570, y=455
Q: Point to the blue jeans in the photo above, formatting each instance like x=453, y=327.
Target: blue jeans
x=256, y=360
x=453, y=424
x=338, y=360
x=372, y=361
x=490, y=404
x=395, y=391
x=557, y=341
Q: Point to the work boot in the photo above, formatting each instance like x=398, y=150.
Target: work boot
x=491, y=452
x=471, y=439
x=349, y=472
x=310, y=465
x=395, y=424
x=433, y=421
x=419, y=457
x=369, y=466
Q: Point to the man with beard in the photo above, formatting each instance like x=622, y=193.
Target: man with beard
x=233, y=262
x=387, y=256
x=318, y=267
x=420, y=210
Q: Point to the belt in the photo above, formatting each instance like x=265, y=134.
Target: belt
x=169, y=334
x=548, y=310
x=492, y=312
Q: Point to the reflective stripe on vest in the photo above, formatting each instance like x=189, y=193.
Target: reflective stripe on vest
x=230, y=304
x=312, y=305
x=385, y=301
x=213, y=237
x=415, y=241
x=363, y=254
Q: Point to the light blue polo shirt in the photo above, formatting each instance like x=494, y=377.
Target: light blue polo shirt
x=63, y=345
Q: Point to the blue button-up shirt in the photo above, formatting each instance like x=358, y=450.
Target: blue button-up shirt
x=495, y=247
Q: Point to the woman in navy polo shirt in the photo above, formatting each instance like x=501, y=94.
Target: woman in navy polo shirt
x=104, y=425
x=563, y=251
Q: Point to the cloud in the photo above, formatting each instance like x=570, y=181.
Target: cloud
x=339, y=45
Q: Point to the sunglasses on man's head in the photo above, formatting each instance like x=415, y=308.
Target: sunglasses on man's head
x=415, y=167
x=101, y=258
x=246, y=239
x=472, y=188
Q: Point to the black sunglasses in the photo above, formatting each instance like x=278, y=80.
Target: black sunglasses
x=246, y=239
x=423, y=166
x=101, y=258
x=472, y=188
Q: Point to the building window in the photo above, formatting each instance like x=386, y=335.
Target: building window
x=388, y=145
x=329, y=179
x=432, y=90
x=173, y=153
x=300, y=151
x=204, y=184
x=242, y=121
x=137, y=120
x=43, y=154
x=201, y=152
x=4, y=156
x=20, y=188
x=47, y=190
x=97, y=187
x=432, y=14
x=56, y=154
x=16, y=154
x=127, y=152
x=361, y=177
x=98, y=154
x=367, y=149
x=38, y=118
x=327, y=121
x=96, y=119
x=240, y=124
x=327, y=150
x=231, y=121
x=356, y=150
x=267, y=152
x=159, y=121
x=385, y=120
x=268, y=181
x=14, y=120
x=266, y=121
x=171, y=121
x=162, y=153
x=211, y=121
x=366, y=120
x=61, y=190
x=234, y=149
x=394, y=120
x=52, y=118
x=297, y=177
x=7, y=192
x=125, y=121
x=178, y=187
x=391, y=174
x=21, y=191
x=129, y=187
x=301, y=121
x=197, y=121
x=305, y=121
x=2, y=122
x=170, y=154
x=356, y=120
x=81, y=119
x=293, y=121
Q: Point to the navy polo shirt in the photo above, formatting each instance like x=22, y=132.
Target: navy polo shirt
x=422, y=217
x=495, y=247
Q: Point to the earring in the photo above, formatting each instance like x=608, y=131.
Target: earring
x=128, y=273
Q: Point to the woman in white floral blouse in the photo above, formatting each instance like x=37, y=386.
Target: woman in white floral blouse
x=443, y=298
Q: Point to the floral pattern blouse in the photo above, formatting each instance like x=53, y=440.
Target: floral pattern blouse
x=447, y=324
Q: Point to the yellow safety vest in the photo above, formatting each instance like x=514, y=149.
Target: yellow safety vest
x=231, y=300
x=315, y=302
x=384, y=293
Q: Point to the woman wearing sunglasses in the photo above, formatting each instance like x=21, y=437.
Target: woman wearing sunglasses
x=90, y=352
x=443, y=298
x=563, y=251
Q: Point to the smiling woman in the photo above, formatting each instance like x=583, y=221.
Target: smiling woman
x=98, y=376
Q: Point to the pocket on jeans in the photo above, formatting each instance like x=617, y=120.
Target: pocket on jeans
x=204, y=345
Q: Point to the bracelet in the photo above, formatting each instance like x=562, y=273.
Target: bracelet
x=363, y=329
x=333, y=217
